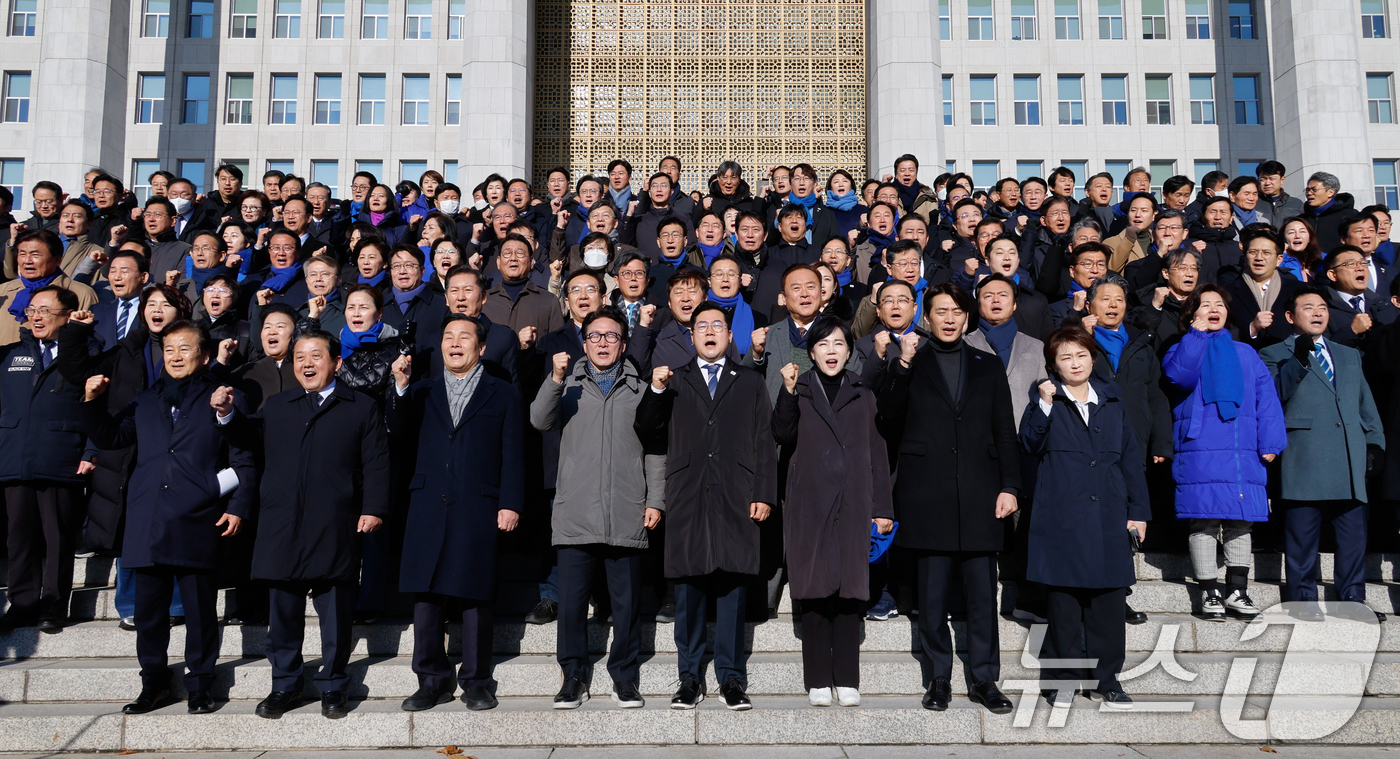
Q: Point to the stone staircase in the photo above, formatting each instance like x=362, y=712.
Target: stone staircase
x=65, y=691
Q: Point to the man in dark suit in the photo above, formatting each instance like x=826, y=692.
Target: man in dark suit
x=1260, y=294
x=790, y=248
x=326, y=479
x=411, y=302
x=714, y=421
x=322, y=224
x=127, y=274
x=1355, y=311
x=949, y=406
x=817, y=218
x=465, y=426
x=669, y=342
x=176, y=510
x=466, y=294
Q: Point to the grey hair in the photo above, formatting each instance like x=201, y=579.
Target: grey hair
x=1170, y=213
x=1086, y=223
x=1330, y=181
x=730, y=166
x=315, y=185
x=1110, y=278
x=1179, y=255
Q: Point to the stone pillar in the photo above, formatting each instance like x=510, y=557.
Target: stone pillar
x=497, y=133
x=81, y=113
x=905, y=85
x=1319, y=94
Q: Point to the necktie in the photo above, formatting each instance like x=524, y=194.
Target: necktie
x=1323, y=363
x=632, y=309
x=713, y=381
x=46, y=354
x=123, y=318
x=314, y=397
x=1374, y=272
x=1358, y=303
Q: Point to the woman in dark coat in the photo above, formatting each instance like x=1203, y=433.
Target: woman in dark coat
x=381, y=212
x=838, y=482
x=368, y=346
x=1090, y=489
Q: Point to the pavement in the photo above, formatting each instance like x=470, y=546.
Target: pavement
x=1136, y=751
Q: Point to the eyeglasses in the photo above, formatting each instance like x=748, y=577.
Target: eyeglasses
x=203, y=249
x=910, y=264
x=671, y=235
x=583, y=289
x=404, y=267
x=251, y=208
x=157, y=215
x=104, y=193
x=714, y=327
x=611, y=338
x=631, y=275
x=1093, y=265
x=897, y=300
x=1356, y=265
x=513, y=255
x=724, y=275
x=1185, y=267
x=44, y=311
x=218, y=291
x=1169, y=227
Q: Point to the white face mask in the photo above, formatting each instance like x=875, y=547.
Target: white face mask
x=480, y=205
x=448, y=207
x=181, y=205
x=595, y=258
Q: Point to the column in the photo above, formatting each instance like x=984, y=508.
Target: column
x=905, y=85
x=497, y=132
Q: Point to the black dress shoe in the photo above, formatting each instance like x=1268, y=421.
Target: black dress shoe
x=938, y=695
x=127, y=623
x=176, y=621
x=989, y=696
x=50, y=626
x=545, y=611
x=366, y=617
x=200, y=702
x=691, y=692
x=1133, y=616
x=150, y=700
x=1360, y=613
x=572, y=694
x=334, y=704
x=15, y=619
x=478, y=699
x=1307, y=612
x=732, y=693
x=278, y=703
x=427, y=698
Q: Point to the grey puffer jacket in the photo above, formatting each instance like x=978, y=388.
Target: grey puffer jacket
x=606, y=481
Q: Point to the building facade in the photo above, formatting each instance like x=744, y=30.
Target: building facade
x=324, y=88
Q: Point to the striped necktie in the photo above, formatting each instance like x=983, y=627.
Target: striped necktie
x=1321, y=357
x=123, y=318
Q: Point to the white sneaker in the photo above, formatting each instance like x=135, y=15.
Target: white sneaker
x=1212, y=609
x=848, y=696
x=819, y=696
x=1239, y=605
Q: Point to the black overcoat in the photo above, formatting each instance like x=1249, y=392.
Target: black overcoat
x=41, y=431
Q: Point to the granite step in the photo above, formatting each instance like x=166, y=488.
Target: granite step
x=378, y=724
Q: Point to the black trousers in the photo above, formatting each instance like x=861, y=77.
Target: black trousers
x=979, y=579
x=430, y=653
x=43, y=519
x=1302, y=524
x=730, y=593
x=831, y=642
x=200, y=593
x=1086, y=623
x=335, y=606
x=623, y=567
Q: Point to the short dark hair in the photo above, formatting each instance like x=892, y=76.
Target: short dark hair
x=374, y=293
x=202, y=337
x=906, y=157
x=1061, y=336
x=1193, y=302
x=606, y=312
x=511, y=238
x=593, y=274
x=953, y=290
x=87, y=212
x=627, y=257
x=66, y=298
x=672, y=221
x=1265, y=230
x=172, y=296
x=901, y=246
x=1176, y=183
x=791, y=209
x=1350, y=220
x=44, y=237
x=156, y=200
x=273, y=173
x=693, y=276
x=481, y=330
x=616, y=162
x=823, y=328
x=1212, y=179
x=710, y=305
x=409, y=248
x=1089, y=247
x=1061, y=171
x=283, y=309
x=1302, y=290
x=997, y=276
x=331, y=341
x=461, y=269
x=143, y=263
x=798, y=267
x=1133, y=198
x=230, y=281
x=233, y=171
x=1241, y=182
x=1270, y=168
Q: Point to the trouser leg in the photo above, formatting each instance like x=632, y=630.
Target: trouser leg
x=979, y=572
x=25, y=542
x=1349, y=573
x=478, y=631
x=153, y=587
x=690, y=628
x=845, y=643
x=1302, y=527
x=429, y=661
x=1064, y=634
x=1105, y=636
x=817, y=616
x=61, y=516
x=286, y=628
x=1203, y=545
x=935, y=639
x=200, y=593
x=624, y=574
x=335, y=606
x=731, y=596
x=576, y=564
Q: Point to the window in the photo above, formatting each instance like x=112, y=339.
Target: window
x=376, y=20
x=979, y=20
x=1372, y=19
x=950, y=166
x=150, y=91
x=288, y=22
x=1026, y=91
x=1110, y=19
x=1159, y=99
x=328, y=98
x=201, y=24
x=1022, y=19
x=984, y=100
x=1241, y=19
x=1115, y=100
x=1154, y=19
x=156, y=19
x=193, y=171
x=1202, y=99
x=12, y=178
x=241, y=163
x=454, y=99
x=985, y=174
x=243, y=23
x=1386, y=191
x=1027, y=169
x=1081, y=173
x=947, y=99
x=1197, y=19
x=141, y=172
x=332, y=20
x=327, y=173
x=1071, y=97
x=449, y=171
x=1248, y=168
x=1246, y=99
x=1119, y=171
x=240, y=99
x=412, y=170
x=1161, y=171
x=372, y=99
x=1378, y=99
x=196, y=99
x=374, y=167
x=456, y=18
x=945, y=20
x=1205, y=167
x=1066, y=19
x=16, y=97
x=286, y=167
x=418, y=20
x=23, y=14
x=415, y=99
x=284, y=99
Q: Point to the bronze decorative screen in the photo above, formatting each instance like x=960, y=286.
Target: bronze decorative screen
x=759, y=81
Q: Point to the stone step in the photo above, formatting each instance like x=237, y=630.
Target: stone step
x=538, y=676
x=379, y=724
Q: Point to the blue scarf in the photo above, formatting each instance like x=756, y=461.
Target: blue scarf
x=675, y=262
x=583, y=215
x=1000, y=338
x=795, y=337
x=1074, y=287
x=1385, y=253
x=403, y=299
x=1222, y=380
x=200, y=276
x=908, y=194
x=711, y=252
x=919, y=288
x=282, y=277
x=620, y=199
x=349, y=341
x=1113, y=341
x=742, y=321
x=1325, y=206
x=881, y=241
x=843, y=277
x=1246, y=217
x=376, y=280
x=355, y=208
x=841, y=202
x=24, y=294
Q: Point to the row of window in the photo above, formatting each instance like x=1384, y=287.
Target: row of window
x=326, y=172
x=1113, y=88
x=325, y=17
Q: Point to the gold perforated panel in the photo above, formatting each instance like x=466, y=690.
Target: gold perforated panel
x=758, y=81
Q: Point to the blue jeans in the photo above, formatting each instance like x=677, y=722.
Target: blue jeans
x=125, y=599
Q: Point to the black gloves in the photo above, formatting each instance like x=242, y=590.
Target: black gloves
x=1375, y=457
x=1302, y=349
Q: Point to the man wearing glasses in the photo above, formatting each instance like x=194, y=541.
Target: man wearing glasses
x=611, y=497
x=1088, y=262
x=1354, y=308
x=167, y=251
x=37, y=256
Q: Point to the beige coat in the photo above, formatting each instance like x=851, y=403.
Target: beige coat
x=9, y=328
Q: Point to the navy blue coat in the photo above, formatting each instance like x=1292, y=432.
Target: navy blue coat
x=426, y=310
x=392, y=226
x=1091, y=480
x=463, y=475
x=41, y=431
x=174, y=503
x=502, y=348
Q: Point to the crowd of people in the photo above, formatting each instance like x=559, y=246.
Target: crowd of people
x=892, y=397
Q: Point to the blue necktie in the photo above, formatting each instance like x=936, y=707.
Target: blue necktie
x=1323, y=363
x=123, y=318
x=713, y=382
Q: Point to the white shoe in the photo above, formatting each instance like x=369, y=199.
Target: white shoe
x=819, y=696
x=848, y=696
x=1240, y=605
